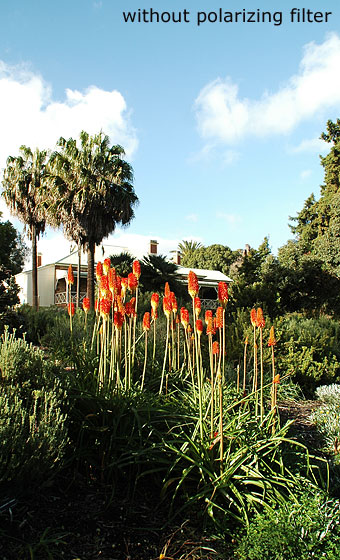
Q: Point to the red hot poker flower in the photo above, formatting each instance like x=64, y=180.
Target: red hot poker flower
x=253, y=318
x=70, y=275
x=208, y=315
x=197, y=306
x=199, y=326
x=136, y=269
x=223, y=294
x=104, y=289
x=118, y=320
x=154, y=314
x=192, y=284
x=106, y=265
x=167, y=289
x=260, y=322
x=86, y=304
x=71, y=309
x=146, y=321
x=112, y=276
x=272, y=340
x=167, y=307
x=99, y=271
x=210, y=327
x=124, y=284
x=154, y=301
x=105, y=307
x=215, y=347
x=219, y=318
x=173, y=301
x=132, y=282
x=184, y=317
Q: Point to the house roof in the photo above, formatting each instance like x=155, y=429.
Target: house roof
x=205, y=277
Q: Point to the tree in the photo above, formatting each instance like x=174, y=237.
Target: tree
x=23, y=187
x=156, y=270
x=122, y=263
x=12, y=256
x=92, y=192
x=213, y=257
x=187, y=248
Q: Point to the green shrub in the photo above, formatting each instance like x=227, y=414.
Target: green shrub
x=306, y=530
x=309, y=350
x=33, y=436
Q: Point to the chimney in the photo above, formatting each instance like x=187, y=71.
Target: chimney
x=246, y=250
x=153, y=247
x=177, y=257
x=39, y=259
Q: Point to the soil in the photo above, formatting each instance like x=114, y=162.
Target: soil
x=77, y=518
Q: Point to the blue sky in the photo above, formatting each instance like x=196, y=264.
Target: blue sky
x=219, y=121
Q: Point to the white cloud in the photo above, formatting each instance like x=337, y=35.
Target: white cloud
x=191, y=218
x=231, y=219
x=29, y=114
x=313, y=145
x=222, y=115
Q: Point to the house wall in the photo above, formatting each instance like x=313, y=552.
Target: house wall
x=46, y=281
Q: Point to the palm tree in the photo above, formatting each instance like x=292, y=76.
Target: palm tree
x=156, y=271
x=186, y=248
x=92, y=192
x=23, y=186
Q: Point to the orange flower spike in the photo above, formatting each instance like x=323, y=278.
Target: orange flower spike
x=70, y=275
x=167, y=307
x=197, y=306
x=105, y=307
x=99, y=271
x=260, y=322
x=193, y=287
x=253, y=318
x=208, y=316
x=117, y=286
x=272, y=340
x=146, y=321
x=173, y=300
x=104, y=289
x=177, y=320
x=219, y=318
x=184, y=317
x=215, y=347
x=132, y=282
x=112, y=279
x=124, y=284
x=210, y=327
x=119, y=305
x=86, y=304
x=189, y=328
x=106, y=265
x=167, y=289
x=118, y=320
x=154, y=301
x=223, y=294
x=154, y=314
x=71, y=309
x=276, y=379
x=199, y=326
x=136, y=269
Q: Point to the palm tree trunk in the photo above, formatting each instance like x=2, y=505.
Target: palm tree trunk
x=78, y=275
x=35, y=301
x=90, y=272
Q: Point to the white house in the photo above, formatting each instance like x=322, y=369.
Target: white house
x=52, y=278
